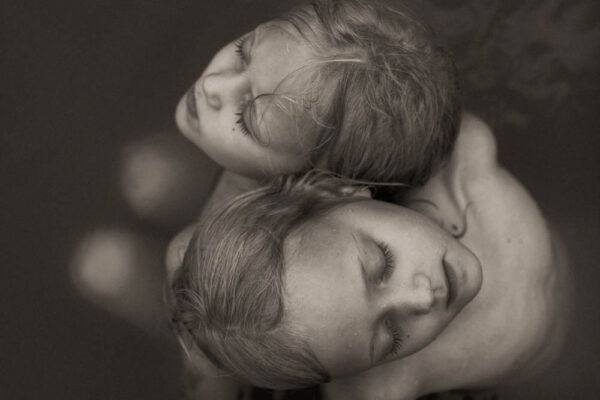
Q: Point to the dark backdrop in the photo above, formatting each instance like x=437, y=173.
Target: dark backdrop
x=83, y=77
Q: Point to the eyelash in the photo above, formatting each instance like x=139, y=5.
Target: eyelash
x=239, y=46
x=241, y=123
x=387, y=272
x=396, y=338
x=389, y=262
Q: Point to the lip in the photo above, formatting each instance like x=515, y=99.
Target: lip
x=452, y=283
x=190, y=103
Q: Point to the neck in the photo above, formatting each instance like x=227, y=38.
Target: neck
x=507, y=330
x=495, y=338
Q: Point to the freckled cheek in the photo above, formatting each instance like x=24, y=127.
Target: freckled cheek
x=221, y=144
x=353, y=348
x=427, y=330
x=219, y=126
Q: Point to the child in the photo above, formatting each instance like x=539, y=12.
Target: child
x=353, y=87
x=308, y=281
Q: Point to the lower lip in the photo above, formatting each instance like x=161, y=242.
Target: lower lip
x=452, y=283
x=190, y=102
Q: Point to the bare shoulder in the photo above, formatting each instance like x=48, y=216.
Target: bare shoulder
x=476, y=149
x=501, y=200
x=560, y=295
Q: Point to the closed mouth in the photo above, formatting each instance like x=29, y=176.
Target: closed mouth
x=451, y=283
x=190, y=102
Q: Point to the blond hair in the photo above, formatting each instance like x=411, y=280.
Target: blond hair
x=228, y=297
x=381, y=93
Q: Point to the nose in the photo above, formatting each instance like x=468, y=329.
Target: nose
x=219, y=88
x=211, y=85
x=416, y=297
x=422, y=297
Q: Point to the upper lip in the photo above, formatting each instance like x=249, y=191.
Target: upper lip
x=450, y=276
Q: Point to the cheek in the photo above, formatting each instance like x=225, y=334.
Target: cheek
x=223, y=140
x=238, y=154
x=425, y=330
x=219, y=132
x=351, y=357
x=220, y=144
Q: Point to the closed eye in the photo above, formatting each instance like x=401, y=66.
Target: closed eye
x=239, y=48
x=242, y=52
x=388, y=265
x=396, y=338
x=241, y=123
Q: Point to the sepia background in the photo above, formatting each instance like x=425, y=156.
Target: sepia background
x=85, y=82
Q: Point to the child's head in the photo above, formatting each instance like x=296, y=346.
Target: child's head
x=350, y=86
x=307, y=279
x=237, y=302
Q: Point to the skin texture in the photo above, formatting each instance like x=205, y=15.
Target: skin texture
x=223, y=90
x=517, y=322
x=370, y=274
x=208, y=114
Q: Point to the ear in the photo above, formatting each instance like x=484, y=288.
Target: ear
x=446, y=214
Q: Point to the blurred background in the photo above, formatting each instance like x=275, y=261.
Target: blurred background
x=93, y=170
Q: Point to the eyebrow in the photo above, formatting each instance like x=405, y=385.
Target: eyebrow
x=367, y=290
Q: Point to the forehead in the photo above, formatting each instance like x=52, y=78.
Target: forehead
x=324, y=287
x=278, y=58
x=322, y=256
x=279, y=74
x=331, y=233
